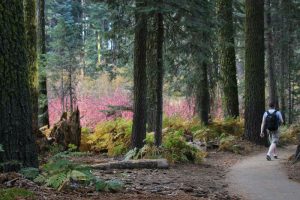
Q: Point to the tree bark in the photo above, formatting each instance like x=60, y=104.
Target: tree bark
x=202, y=93
x=15, y=105
x=227, y=59
x=140, y=82
x=152, y=73
x=43, y=96
x=155, y=72
x=270, y=57
x=31, y=38
x=254, y=70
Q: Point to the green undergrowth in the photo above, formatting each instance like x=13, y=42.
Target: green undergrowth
x=16, y=193
x=60, y=172
x=290, y=134
x=114, y=137
x=174, y=148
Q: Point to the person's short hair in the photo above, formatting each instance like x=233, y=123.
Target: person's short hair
x=272, y=105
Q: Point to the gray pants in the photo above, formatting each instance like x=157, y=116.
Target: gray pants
x=273, y=136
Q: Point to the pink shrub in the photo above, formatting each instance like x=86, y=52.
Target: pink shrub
x=182, y=108
x=90, y=108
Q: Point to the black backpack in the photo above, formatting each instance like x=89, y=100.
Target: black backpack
x=272, y=121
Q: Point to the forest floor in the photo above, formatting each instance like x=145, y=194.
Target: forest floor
x=255, y=178
x=181, y=181
x=292, y=169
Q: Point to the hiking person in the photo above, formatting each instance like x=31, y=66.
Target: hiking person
x=271, y=121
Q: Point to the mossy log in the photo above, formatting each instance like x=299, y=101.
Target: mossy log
x=67, y=130
x=134, y=164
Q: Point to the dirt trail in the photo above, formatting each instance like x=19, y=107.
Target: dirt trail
x=255, y=178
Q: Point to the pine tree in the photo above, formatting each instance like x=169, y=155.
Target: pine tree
x=227, y=58
x=254, y=70
x=140, y=82
x=43, y=96
x=15, y=106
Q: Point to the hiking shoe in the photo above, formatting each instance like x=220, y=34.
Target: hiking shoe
x=268, y=158
x=276, y=157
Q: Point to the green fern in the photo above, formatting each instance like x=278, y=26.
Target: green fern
x=56, y=180
x=54, y=167
x=57, y=172
x=30, y=172
x=40, y=179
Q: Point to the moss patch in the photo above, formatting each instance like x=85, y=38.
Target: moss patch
x=15, y=193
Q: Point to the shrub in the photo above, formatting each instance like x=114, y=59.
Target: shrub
x=290, y=135
x=111, y=136
x=229, y=143
x=179, y=123
x=84, y=145
x=220, y=128
x=229, y=126
x=176, y=149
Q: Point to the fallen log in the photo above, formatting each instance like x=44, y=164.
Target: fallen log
x=116, y=110
x=133, y=164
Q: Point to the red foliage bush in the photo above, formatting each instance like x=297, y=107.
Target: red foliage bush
x=90, y=108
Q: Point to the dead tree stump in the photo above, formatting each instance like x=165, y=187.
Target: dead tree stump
x=67, y=130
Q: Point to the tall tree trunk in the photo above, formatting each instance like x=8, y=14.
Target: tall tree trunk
x=254, y=70
x=288, y=38
x=31, y=38
x=15, y=106
x=140, y=82
x=43, y=96
x=270, y=56
x=151, y=73
x=202, y=93
x=160, y=74
x=155, y=39
x=227, y=59
x=201, y=57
